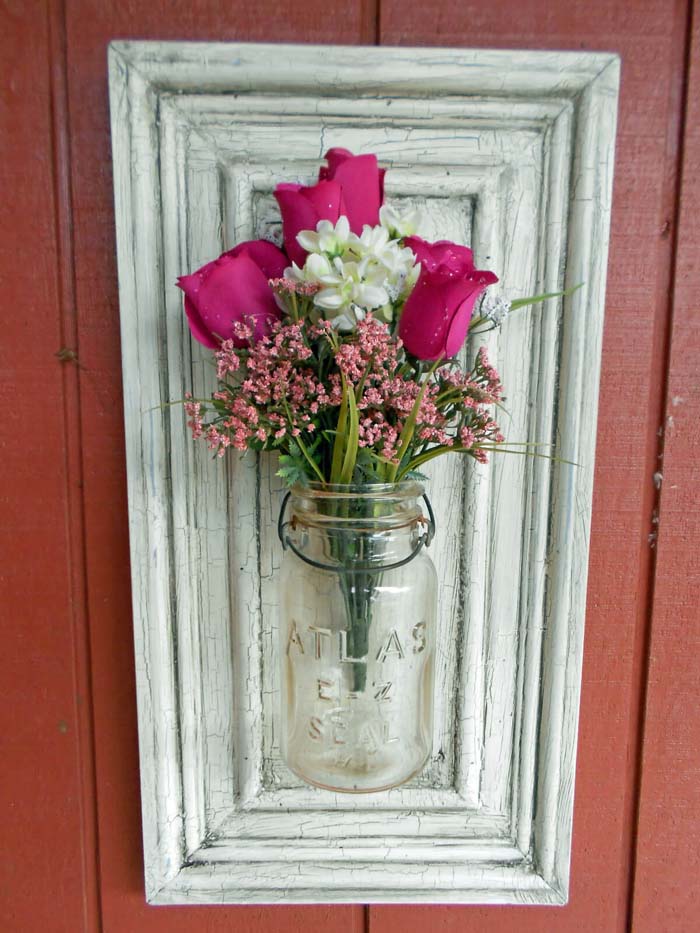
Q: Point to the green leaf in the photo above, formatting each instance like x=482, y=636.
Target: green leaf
x=291, y=470
x=521, y=302
x=339, y=445
x=426, y=457
x=410, y=425
x=528, y=453
x=416, y=475
x=353, y=436
x=298, y=445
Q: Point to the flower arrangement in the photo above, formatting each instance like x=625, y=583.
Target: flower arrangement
x=339, y=351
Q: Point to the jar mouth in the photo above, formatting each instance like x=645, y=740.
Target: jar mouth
x=405, y=489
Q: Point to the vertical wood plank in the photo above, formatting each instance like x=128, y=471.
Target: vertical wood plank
x=40, y=629
x=666, y=893
x=90, y=25
x=631, y=386
x=47, y=877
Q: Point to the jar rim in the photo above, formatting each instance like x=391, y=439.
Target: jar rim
x=404, y=489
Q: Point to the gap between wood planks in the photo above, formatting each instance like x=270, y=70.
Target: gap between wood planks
x=75, y=519
x=661, y=363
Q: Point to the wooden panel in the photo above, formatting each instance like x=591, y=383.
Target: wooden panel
x=201, y=136
x=666, y=891
x=48, y=872
x=41, y=882
x=633, y=367
x=90, y=25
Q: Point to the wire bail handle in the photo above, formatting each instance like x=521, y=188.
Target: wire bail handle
x=424, y=541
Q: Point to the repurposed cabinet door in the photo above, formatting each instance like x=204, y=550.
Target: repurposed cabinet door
x=70, y=781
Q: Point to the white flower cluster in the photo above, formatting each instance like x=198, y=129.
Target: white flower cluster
x=495, y=308
x=357, y=274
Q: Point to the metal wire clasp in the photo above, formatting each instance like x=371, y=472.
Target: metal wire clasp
x=424, y=541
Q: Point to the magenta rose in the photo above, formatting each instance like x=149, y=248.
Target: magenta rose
x=349, y=185
x=435, y=319
x=233, y=288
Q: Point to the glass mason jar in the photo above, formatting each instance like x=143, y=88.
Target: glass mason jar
x=357, y=628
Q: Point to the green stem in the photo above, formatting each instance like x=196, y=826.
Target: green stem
x=295, y=307
x=339, y=441
x=302, y=447
x=410, y=425
x=312, y=463
x=358, y=589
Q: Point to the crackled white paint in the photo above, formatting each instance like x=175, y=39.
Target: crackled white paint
x=511, y=152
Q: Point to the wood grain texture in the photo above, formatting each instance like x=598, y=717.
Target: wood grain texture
x=666, y=893
x=41, y=877
x=48, y=879
x=90, y=26
x=201, y=134
x=632, y=375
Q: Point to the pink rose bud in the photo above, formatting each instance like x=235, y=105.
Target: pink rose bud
x=233, y=288
x=435, y=319
x=302, y=208
x=349, y=185
x=362, y=182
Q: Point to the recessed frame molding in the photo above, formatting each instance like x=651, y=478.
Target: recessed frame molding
x=511, y=152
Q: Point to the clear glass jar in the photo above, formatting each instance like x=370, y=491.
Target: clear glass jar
x=357, y=632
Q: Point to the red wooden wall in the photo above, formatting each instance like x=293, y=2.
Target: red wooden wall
x=69, y=775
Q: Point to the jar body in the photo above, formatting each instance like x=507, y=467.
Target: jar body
x=357, y=646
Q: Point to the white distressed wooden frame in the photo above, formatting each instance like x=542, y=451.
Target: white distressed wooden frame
x=513, y=153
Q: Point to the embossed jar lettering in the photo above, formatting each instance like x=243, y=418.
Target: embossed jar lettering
x=357, y=629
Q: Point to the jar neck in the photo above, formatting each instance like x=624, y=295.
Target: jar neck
x=357, y=526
